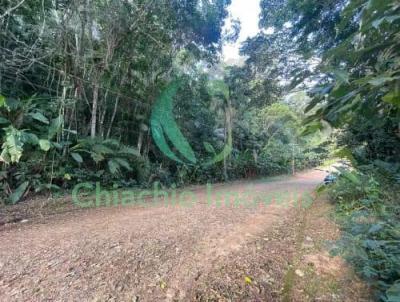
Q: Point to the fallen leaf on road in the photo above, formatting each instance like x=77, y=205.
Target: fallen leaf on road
x=248, y=280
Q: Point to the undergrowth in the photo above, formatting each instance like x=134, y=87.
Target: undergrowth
x=368, y=212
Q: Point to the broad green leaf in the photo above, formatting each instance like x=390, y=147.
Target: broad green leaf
x=58, y=146
x=379, y=81
x=209, y=148
x=30, y=138
x=392, y=98
x=12, y=104
x=55, y=127
x=40, y=117
x=19, y=192
x=342, y=90
x=389, y=19
x=2, y=101
x=44, y=144
x=48, y=187
x=77, y=157
x=4, y=121
x=5, y=157
x=13, y=145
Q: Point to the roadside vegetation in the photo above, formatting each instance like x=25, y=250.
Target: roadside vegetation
x=358, y=93
x=367, y=209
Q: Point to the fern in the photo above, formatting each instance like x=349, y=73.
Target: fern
x=109, y=152
x=113, y=166
x=123, y=163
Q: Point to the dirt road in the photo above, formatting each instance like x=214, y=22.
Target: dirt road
x=201, y=252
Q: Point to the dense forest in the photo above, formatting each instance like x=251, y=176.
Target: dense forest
x=85, y=86
x=79, y=81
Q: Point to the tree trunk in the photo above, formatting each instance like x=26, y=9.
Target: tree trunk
x=94, y=110
x=113, y=117
x=293, y=162
x=115, y=107
x=228, y=135
x=140, y=141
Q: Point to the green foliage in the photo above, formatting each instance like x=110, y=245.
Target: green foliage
x=219, y=89
x=96, y=69
x=13, y=145
x=354, y=47
x=2, y=100
x=36, y=160
x=99, y=64
x=104, y=152
x=362, y=93
x=19, y=192
x=371, y=230
x=77, y=157
x=44, y=144
x=39, y=117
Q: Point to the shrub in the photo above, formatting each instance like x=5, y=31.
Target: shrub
x=371, y=231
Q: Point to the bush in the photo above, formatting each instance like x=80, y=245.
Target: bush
x=371, y=231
